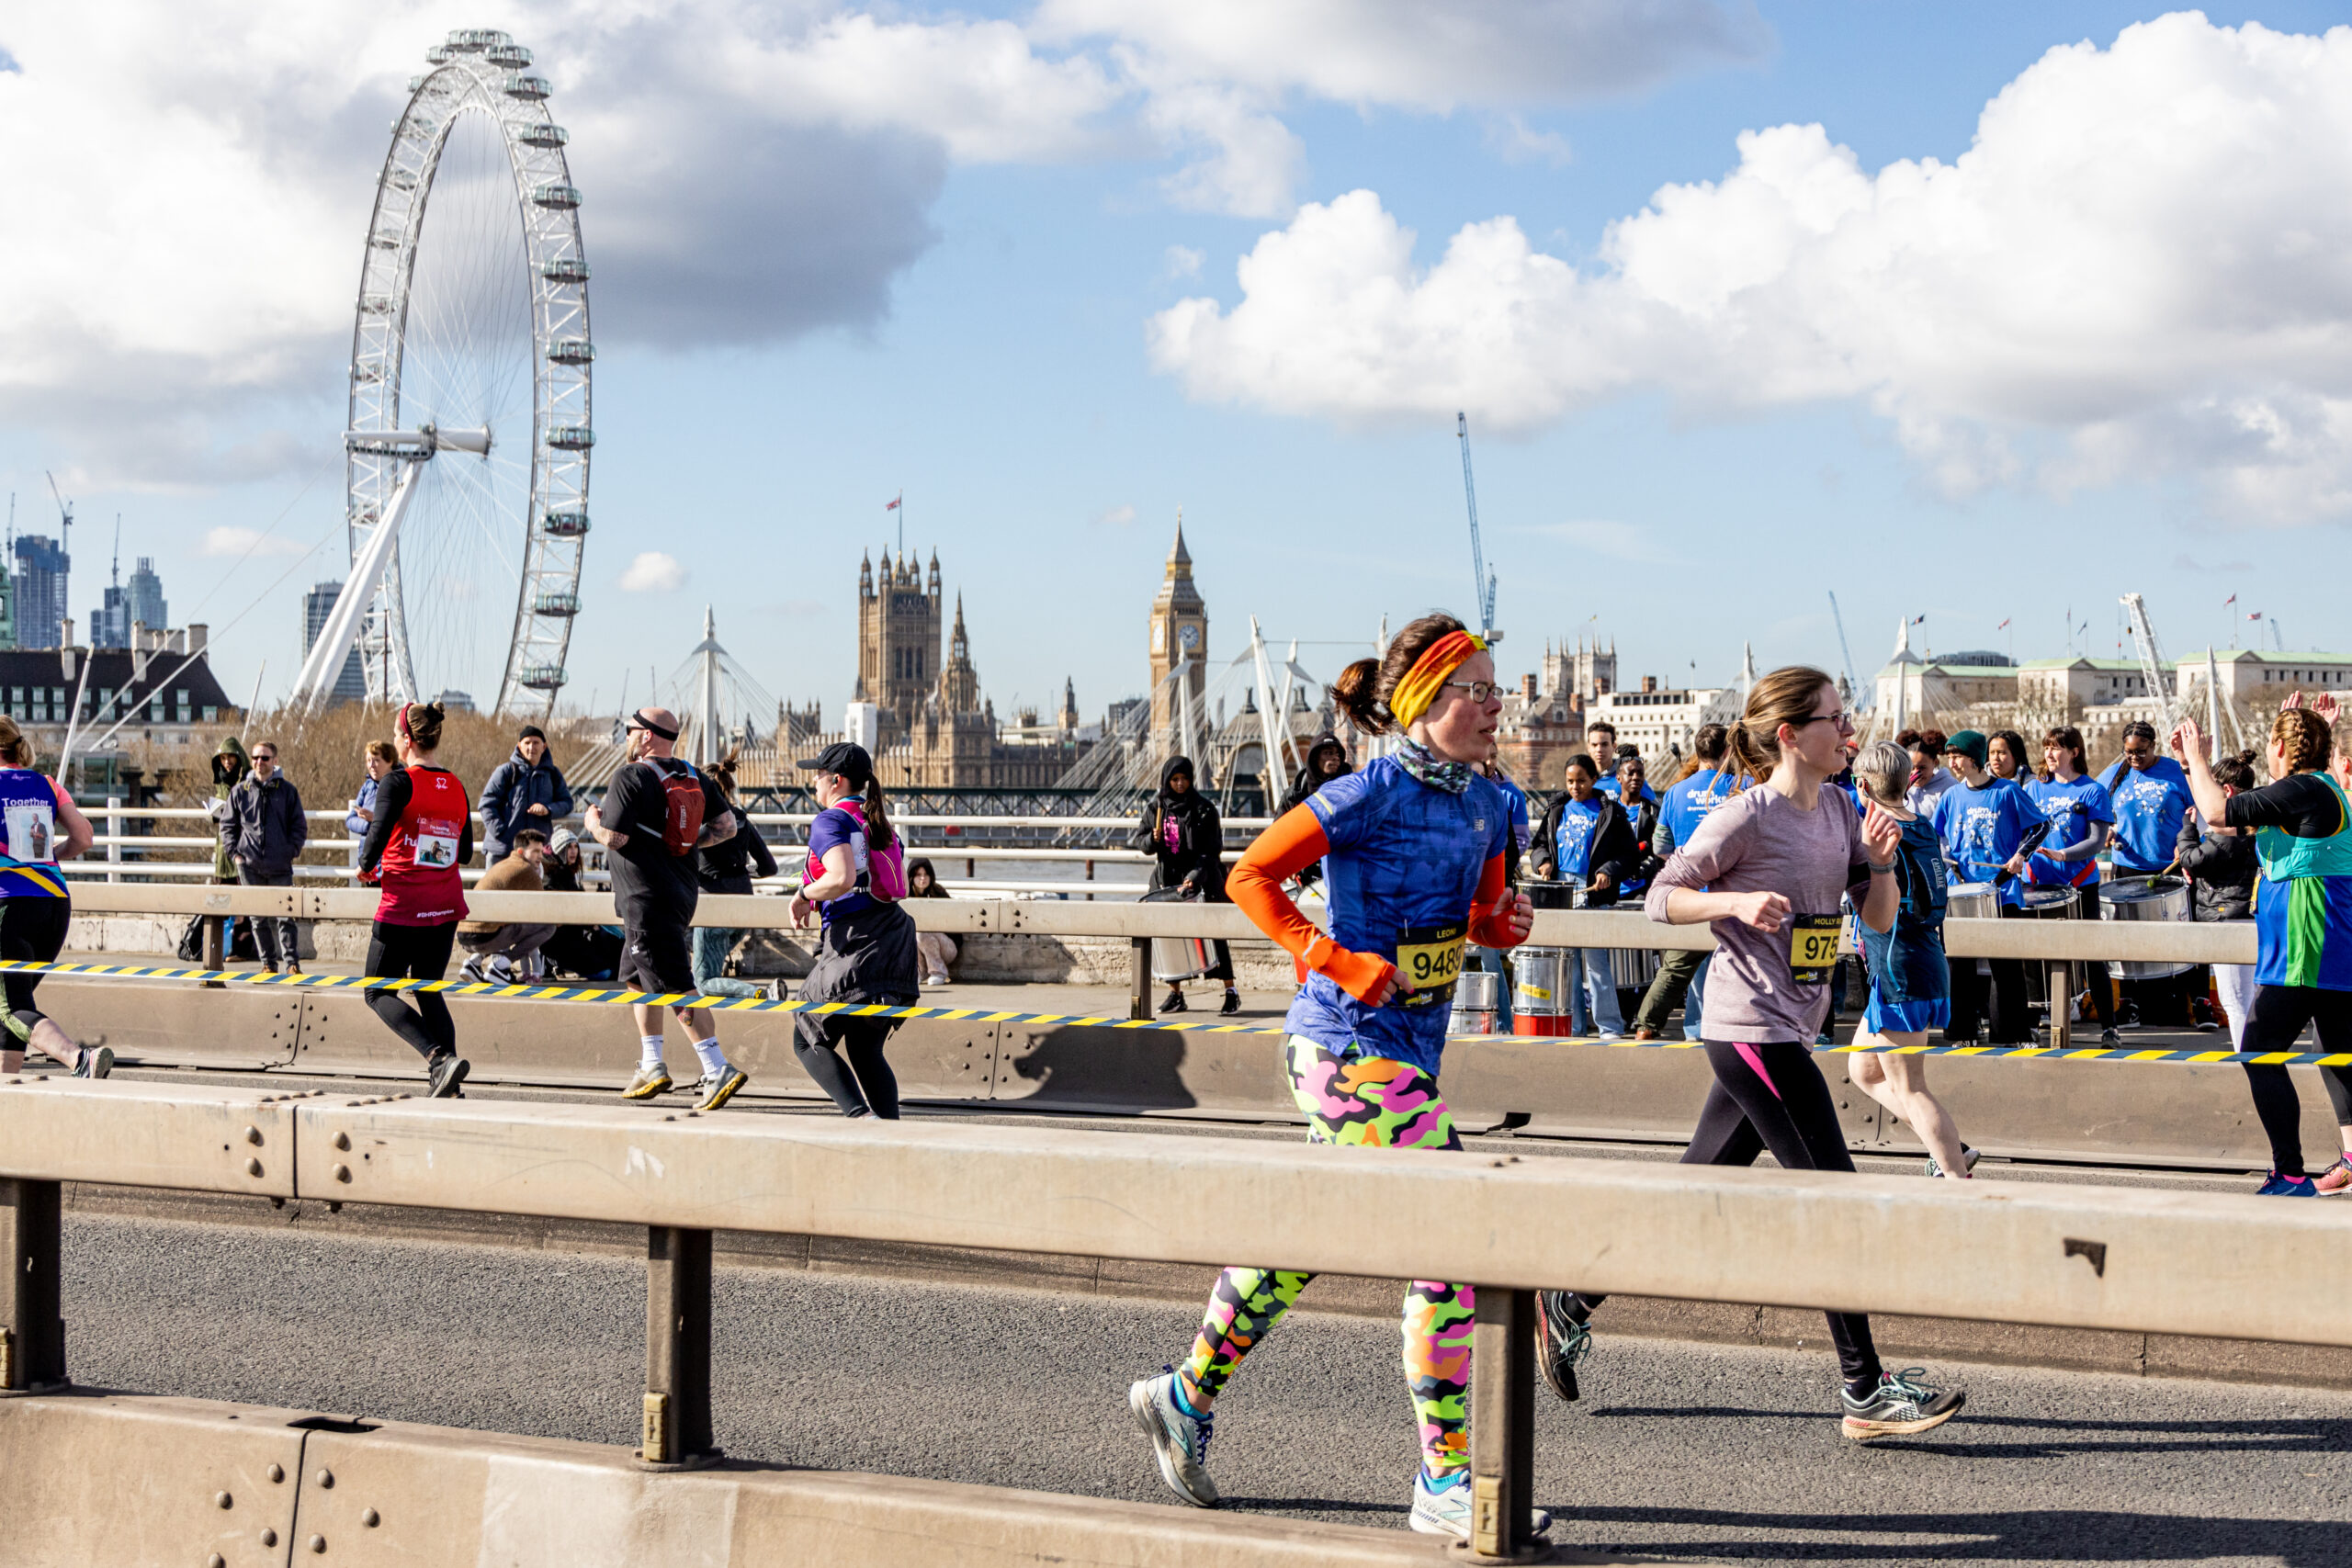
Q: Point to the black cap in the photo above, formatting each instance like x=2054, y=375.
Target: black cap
x=532, y=732
x=846, y=758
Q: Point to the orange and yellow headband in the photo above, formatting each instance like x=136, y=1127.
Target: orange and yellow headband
x=1427, y=678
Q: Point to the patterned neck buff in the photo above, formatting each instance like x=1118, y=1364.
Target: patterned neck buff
x=1424, y=764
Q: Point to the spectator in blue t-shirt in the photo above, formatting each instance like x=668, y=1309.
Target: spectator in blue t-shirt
x=1585, y=840
x=1493, y=960
x=2079, y=813
x=2149, y=793
x=1982, y=822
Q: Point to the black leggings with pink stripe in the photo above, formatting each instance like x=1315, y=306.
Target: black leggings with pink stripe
x=1773, y=1097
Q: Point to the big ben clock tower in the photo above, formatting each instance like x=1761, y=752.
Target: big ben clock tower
x=1180, y=632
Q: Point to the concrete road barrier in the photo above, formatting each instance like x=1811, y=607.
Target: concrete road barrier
x=2164, y=1114
x=128, y=1480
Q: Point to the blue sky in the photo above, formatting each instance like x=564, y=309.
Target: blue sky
x=1009, y=387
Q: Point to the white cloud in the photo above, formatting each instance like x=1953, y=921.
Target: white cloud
x=243, y=542
x=2135, y=268
x=1183, y=261
x=1513, y=140
x=653, y=571
x=1411, y=54
x=189, y=181
x=1114, y=516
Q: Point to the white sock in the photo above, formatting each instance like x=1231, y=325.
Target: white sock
x=651, y=1056
x=714, y=1060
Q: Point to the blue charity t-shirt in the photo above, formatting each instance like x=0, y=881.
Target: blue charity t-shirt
x=2070, y=808
x=1521, y=833
x=2149, y=807
x=1981, y=828
x=1611, y=788
x=834, y=827
x=1572, y=839
x=1404, y=866
x=1687, y=802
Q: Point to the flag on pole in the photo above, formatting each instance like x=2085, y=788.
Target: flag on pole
x=893, y=503
x=1917, y=619
x=2002, y=627
x=2229, y=601
x=2253, y=615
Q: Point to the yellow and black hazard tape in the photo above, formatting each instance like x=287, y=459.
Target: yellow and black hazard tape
x=608, y=997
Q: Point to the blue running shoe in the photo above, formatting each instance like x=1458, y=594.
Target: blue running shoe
x=1443, y=1507
x=1179, y=1438
x=2288, y=1186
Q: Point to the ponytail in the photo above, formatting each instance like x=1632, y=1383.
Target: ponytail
x=879, y=834
x=1363, y=688
x=1785, y=696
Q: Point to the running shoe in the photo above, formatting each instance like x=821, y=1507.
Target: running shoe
x=1172, y=1002
x=2336, y=1177
x=1824, y=1038
x=1903, y=1403
x=95, y=1062
x=447, y=1073
x=646, y=1083
x=1179, y=1438
x=713, y=1090
x=2108, y=1037
x=776, y=991
x=1232, y=1002
x=1968, y=1157
x=2288, y=1186
x=1560, y=1342
x=1443, y=1507
x=471, y=970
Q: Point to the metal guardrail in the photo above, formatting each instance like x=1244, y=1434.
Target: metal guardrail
x=2060, y=1256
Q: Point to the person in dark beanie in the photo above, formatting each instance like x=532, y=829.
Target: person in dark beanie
x=527, y=791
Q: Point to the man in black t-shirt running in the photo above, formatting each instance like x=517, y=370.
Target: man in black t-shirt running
x=655, y=890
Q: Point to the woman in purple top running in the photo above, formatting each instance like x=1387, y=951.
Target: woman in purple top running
x=1765, y=871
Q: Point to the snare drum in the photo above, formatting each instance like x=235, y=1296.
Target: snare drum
x=1473, y=1001
x=2051, y=903
x=1972, y=901
x=2145, y=898
x=1540, y=998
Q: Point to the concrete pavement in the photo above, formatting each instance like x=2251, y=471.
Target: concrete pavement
x=1682, y=1449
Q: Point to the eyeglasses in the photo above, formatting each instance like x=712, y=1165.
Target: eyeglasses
x=1837, y=718
x=1479, y=690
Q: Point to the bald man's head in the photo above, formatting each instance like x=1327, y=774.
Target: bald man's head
x=649, y=726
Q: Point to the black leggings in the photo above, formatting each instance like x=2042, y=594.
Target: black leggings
x=862, y=1086
x=2279, y=1014
x=32, y=930
x=1773, y=1097
x=419, y=953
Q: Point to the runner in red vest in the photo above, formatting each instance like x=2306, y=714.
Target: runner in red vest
x=422, y=832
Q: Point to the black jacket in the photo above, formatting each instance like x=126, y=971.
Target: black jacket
x=1311, y=777
x=1647, y=862
x=726, y=866
x=1200, y=837
x=1616, y=854
x=2225, y=867
x=265, y=829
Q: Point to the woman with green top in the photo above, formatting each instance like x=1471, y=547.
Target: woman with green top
x=2302, y=921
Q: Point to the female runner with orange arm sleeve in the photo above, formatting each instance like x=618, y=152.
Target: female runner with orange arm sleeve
x=1413, y=851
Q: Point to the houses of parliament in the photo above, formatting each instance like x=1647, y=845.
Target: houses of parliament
x=933, y=726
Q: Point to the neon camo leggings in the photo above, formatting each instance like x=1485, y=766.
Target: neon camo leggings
x=1386, y=1104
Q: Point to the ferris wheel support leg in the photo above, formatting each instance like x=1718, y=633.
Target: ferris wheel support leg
x=335, y=638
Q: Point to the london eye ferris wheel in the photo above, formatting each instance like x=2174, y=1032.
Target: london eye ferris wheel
x=469, y=431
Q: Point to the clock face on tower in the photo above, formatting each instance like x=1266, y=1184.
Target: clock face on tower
x=1188, y=638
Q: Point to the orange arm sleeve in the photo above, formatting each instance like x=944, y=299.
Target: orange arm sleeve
x=1490, y=908
x=1255, y=885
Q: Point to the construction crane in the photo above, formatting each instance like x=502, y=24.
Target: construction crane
x=64, y=550
x=2151, y=660
x=1482, y=582
x=1856, y=698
